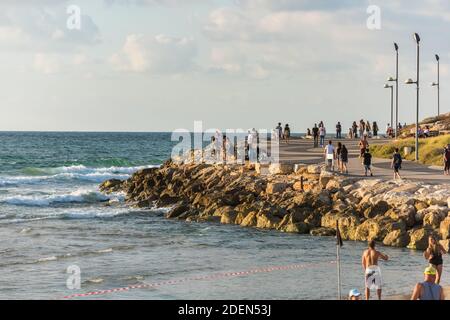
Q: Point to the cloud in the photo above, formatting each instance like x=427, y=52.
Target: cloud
x=43, y=25
x=47, y=63
x=158, y=54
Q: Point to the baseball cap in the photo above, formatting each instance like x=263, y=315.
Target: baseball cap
x=430, y=271
x=354, y=293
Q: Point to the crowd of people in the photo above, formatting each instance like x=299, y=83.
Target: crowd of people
x=429, y=289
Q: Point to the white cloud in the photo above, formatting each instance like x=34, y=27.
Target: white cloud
x=158, y=54
x=47, y=63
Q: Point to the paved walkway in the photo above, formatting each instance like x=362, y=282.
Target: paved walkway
x=303, y=151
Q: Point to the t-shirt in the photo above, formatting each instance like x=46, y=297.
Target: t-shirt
x=329, y=149
x=322, y=131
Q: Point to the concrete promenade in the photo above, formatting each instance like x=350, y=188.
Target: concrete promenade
x=303, y=151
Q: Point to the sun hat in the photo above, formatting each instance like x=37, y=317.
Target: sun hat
x=354, y=293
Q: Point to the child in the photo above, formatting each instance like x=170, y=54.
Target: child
x=367, y=162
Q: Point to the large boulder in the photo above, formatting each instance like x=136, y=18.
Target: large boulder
x=281, y=168
x=397, y=238
x=444, y=228
x=111, y=185
x=323, y=232
x=276, y=187
x=433, y=219
x=228, y=217
x=324, y=178
x=446, y=244
x=299, y=227
x=177, y=210
x=419, y=238
x=250, y=220
x=368, y=230
x=314, y=169
x=267, y=221
x=379, y=208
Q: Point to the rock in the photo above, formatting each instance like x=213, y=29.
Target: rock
x=333, y=185
x=267, y=221
x=396, y=238
x=324, y=178
x=380, y=208
x=228, y=217
x=323, y=232
x=314, y=169
x=177, y=210
x=219, y=212
x=419, y=238
x=432, y=219
x=368, y=230
x=300, y=168
x=276, y=187
x=281, y=168
x=111, y=185
x=249, y=220
x=420, y=205
x=299, y=227
x=444, y=228
x=445, y=243
x=262, y=168
x=297, y=186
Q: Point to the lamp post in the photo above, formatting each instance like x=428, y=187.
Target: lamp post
x=387, y=86
x=436, y=84
x=417, y=82
x=396, y=89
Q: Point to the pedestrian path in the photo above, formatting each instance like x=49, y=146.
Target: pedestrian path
x=303, y=151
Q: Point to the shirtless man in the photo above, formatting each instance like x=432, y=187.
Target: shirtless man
x=372, y=271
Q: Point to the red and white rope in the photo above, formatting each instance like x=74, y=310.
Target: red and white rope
x=206, y=277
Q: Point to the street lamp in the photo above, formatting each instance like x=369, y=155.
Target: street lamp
x=417, y=82
x=396, y=89
x=387, y=86
x=436, y=84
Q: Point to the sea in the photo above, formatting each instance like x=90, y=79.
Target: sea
x=61, y=238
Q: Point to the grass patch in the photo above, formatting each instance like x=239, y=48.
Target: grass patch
x=431, y=150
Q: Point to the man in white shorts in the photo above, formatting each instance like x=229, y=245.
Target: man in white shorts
x=329, y=155
x=372, y=270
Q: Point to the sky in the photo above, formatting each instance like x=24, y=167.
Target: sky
x=160, y=65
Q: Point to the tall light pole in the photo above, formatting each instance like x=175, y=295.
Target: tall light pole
x=436, y=84
x=396, y=90
x=386, y=86
x=417, y=82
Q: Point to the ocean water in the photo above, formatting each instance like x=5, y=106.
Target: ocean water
x=53, y=217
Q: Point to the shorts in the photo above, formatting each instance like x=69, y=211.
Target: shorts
x=396, y=168
x=367, y=167
x=373, y=278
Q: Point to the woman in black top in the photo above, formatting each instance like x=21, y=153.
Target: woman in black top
x=434, y=256
x=343, y=155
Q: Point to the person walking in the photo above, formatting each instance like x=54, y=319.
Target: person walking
x=447, y=160
x=344, y=159
x=355, y=130
x=362, y=127
x=428, y=289
x=315, y=131
x=375, y=129
x=396, y=164
x=287, y=133
x=338, y=130
x=279, y=128
x=338, y=156
x=367, y=162
x=329, y=155
x=434, y=254
x=322, y=134
x=363, y=145
x=372, y=271
x=368, y=129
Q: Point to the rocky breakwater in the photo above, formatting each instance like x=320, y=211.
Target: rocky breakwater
x=309, y=200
